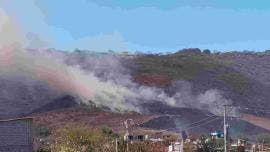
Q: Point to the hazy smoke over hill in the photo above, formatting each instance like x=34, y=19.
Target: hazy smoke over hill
x=115, y=71
x=100, y=78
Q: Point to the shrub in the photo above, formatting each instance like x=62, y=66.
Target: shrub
x=83, y=139
x=41, y=131
x=263, y=138
x=147, y=146
x=206, y=51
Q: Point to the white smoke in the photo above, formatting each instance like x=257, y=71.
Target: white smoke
x=9, y=32
x=16, y=61
x=103, y=79
x=111, y=68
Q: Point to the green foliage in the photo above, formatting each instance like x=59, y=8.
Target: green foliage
x=121, y=144
x=178, y=66
x=236, y=80
x=41, y=131
x=263, y=138
x=210, y=145
x=43, y=150
x=206, y=51
x=42, y=137
x=185, y=66
x=267, y=51
x=106, y=130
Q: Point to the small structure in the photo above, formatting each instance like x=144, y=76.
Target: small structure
x=129, y=124
x=142, y=137
x=16, y=135
x=156, y=139
x=128, y=137
x=241, y=142
x=217, y=135
x=176, y=147
x=240, y=145
x=131, y=137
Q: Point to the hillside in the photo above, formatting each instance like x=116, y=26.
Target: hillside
x=180, y=89
x=241, y=77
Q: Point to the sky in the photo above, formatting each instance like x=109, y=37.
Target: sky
x=143, y=25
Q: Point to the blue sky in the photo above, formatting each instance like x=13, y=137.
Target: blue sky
x=145, y=25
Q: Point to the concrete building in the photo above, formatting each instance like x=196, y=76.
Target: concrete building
x=16, y=135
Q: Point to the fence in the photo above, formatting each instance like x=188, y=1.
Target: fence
x=16, y=135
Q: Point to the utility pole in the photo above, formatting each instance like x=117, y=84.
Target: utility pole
x=263, y=145
x=128, y=130
x=116, y=145
x=225, y=128
x=127, y=147
x=182, y=145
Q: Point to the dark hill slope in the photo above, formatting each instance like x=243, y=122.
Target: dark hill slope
x=19, y=95
x=253, y=65
x=198, y=122
x=63, y=102
x=239, y=76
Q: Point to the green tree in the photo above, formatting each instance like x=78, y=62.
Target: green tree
x=210, y=145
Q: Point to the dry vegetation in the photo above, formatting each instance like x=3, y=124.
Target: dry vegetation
x=58, y=119
x=186, y=65
x=90, y=131
x=79, y=138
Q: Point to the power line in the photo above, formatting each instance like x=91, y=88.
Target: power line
x=194, y=123
x=201, y=120
x=207, y=122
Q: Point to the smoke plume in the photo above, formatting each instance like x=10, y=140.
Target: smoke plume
x=99, y=78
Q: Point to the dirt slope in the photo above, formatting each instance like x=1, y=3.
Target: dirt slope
x=258, y=121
